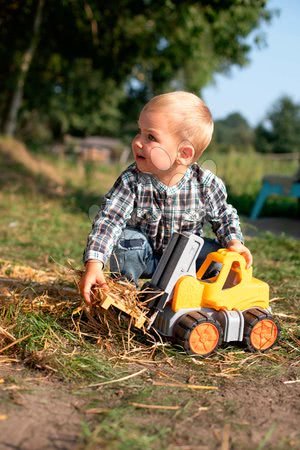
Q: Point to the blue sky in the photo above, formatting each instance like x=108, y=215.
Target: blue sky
x=273, y=71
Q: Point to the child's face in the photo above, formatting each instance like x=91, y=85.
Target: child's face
x=155, y=146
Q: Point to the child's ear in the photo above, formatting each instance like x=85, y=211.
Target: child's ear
x=185, y=154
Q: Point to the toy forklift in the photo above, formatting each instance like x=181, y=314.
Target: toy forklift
x=200, y=313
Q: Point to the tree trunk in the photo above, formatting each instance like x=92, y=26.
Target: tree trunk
x=16, y=101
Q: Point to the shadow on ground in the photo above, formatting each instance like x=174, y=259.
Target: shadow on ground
x=275, y=225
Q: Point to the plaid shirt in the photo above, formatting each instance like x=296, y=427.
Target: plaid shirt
x=141, y=201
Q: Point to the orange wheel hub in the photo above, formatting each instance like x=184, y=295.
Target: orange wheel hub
x=204, y=338
x=264, y=334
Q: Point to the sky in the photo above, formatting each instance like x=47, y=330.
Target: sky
x=274, y=70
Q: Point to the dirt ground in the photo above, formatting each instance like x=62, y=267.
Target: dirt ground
x=40, y=413
x=37, y=413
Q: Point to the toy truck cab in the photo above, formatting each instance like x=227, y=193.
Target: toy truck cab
x=233, y=287
x=200, y=313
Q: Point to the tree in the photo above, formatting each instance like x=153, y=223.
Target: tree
x=140, y=46
x=26, y=59
x=279, y=132
x=233, y=131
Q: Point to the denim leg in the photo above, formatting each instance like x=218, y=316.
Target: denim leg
x=133, y=256
x=210, y=245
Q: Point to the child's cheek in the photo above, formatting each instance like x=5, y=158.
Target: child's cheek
x=160, y=158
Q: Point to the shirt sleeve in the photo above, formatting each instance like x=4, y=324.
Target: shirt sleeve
x=112, y=217
x=221, y=215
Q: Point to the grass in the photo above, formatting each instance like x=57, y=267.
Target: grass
x=42, y=229
x=120, y=430
x=38, y=231
x=243, y=174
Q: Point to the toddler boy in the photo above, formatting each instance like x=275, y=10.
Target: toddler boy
x=164, y=191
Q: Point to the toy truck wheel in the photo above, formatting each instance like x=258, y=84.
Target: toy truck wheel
x=198, y=334
x=261, y=331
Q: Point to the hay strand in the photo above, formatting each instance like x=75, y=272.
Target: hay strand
x=184, y=386
x=17, y=341
x=118, y=379
x=163, y=407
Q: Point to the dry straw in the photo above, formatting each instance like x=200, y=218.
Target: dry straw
x=55, y=293
x=115, y=329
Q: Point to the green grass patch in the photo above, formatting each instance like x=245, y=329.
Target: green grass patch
x=53, y=345
x=123, y=429
x=36, y=232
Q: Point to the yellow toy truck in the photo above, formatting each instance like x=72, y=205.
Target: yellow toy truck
x=200, y=313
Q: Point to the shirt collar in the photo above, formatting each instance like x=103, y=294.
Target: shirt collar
x=163, y=188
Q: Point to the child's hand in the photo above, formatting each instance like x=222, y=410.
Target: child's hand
x=93, y=276
x=237, y=246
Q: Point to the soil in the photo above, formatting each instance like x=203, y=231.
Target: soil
x=37, y=413
x=41, y=413
x=249, y=412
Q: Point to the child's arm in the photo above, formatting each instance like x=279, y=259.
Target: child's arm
x=224, y=218
x=93, y=276
x=111, y=219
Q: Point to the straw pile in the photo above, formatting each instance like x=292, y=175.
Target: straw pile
x=115, y=329
x=121, y=289
x=30, y=291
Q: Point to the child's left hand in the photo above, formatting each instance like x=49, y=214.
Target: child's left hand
x=237, y=246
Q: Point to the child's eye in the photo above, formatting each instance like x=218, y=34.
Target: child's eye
x=151, y=137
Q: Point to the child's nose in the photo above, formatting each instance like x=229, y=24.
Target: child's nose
x=138, y=142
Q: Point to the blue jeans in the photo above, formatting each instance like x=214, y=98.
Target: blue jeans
x=134, y=258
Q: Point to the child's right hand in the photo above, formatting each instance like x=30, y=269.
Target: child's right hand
x=93, y=276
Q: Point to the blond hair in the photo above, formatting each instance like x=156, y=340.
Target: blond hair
x=193, y=120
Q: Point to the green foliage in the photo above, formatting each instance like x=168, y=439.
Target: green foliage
x=233, y=132
x=280, y=130
x=83, y=102
x=41, y=329
x=96, y=58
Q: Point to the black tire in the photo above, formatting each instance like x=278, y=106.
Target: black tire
x=255, y=338
x=185, y=332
